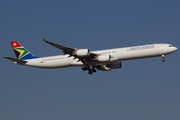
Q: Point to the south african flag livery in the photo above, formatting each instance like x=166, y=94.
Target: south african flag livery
x=21, y=52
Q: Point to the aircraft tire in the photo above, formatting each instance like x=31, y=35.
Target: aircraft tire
x=84, y=68
x=163, y=60
x=90, y=72
x=94, y=70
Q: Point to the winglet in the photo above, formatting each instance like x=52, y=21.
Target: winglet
x=45, y=40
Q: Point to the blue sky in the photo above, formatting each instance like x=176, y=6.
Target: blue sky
x=142, y=89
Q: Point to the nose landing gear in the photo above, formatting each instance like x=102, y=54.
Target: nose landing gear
x=163, y=60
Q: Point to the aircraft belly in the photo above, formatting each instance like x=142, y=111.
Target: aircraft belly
x=50, y=63
x=96, y=63
x=59, y=63
x=76, y=63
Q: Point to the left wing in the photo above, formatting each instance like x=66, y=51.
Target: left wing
x=66, y=50
x=82, y=54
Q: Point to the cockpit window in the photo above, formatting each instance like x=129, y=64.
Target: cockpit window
x=170, y=46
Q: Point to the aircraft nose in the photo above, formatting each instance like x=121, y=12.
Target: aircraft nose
x=175, y=48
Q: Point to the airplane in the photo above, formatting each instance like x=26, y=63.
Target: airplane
x=104, y=60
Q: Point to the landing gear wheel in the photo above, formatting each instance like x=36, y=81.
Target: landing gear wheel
x=94, y=70
x=163, y=60
x=90, y=72
x=84, y=68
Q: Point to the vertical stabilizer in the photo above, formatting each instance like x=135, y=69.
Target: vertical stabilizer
x=21, y=52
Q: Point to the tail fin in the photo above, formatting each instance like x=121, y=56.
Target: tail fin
x=21, y=52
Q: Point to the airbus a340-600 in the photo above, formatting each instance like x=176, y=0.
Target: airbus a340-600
x=90, y=61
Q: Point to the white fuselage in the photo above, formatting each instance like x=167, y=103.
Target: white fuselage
x=118, y=54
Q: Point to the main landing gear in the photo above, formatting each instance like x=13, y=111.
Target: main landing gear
x=163, y=60
x=90, y=71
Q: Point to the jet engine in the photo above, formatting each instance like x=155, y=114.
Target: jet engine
x=103, y=68
x=116, y=65
x=103, y=58
x=108, y=67
x=82, y=52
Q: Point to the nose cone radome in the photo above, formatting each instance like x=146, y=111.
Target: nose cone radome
x=172, y=49
x=175, y=48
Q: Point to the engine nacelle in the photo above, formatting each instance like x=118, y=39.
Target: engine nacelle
x=82, y=52
x=103, y=58
x=116, y=65
x=103, y=68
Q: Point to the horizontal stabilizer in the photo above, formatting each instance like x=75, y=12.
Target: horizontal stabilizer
x=15, y=60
